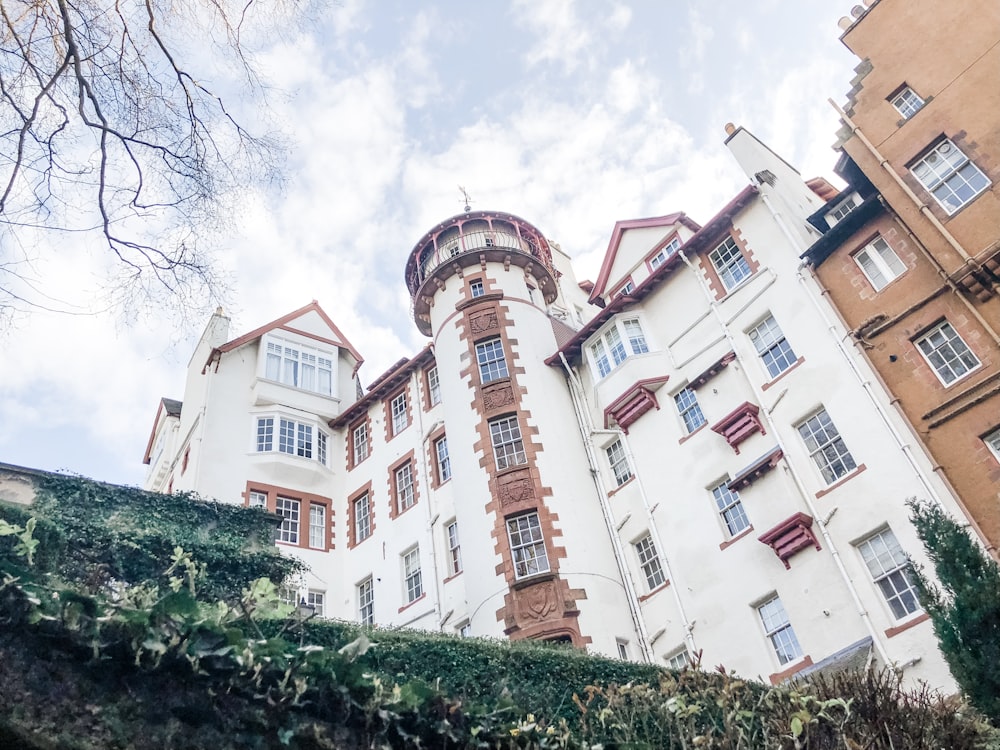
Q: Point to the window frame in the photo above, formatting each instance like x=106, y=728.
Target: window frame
x=508, y=444
x=316, y=598
x=360, y=449
x=904, y=105
x=772, y=347
x=905, y=597
x=729, y=506
x=876, y=252
x=734, y=268
x=291, y=524
x=321, y=527
x=663, y=254
x=992, y=441
x=491, y=367
x=818, y=453
x=842, y=208
x=433, y=386
x=933, y=182
x=649, y=562
x=404, y=493
x=477, y=288
x=774, y=631
x=280, y=347
x=619, y=463
x=680, y=653
x=691, y=408
x=361, y=521
x=442, y=462
x=301, y=438
x=366, y=601
x=949, y=342
x=454, y=545
x=529, y=551
x=399, y=416
x=616, y=342
x=413, y=582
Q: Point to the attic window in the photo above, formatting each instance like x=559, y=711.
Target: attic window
x=299, y=366
x=842, y=208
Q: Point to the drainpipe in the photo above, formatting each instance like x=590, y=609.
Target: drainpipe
x=925, y=211
x=586, y=432
x=803, y=492
x=865, y=382
x=431, y=518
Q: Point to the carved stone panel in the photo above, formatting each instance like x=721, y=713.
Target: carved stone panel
x=483, y=322
x=538, y=602
x=515, y=487
x=497, y=396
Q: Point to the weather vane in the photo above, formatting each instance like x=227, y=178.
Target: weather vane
x=468, y=199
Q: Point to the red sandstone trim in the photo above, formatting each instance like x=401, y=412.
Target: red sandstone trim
x=623, y=485
x=654, y=592
x=407, y=606
x=305, y=499
x=894, y=631
x=770, y=383
x=731, y=540
x=692, y=434
x=843, y=479
x=779, y=677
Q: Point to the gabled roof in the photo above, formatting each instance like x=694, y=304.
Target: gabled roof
x=385, y=384
x=701, y=240
x=616, y=237
x=282, y=323
x=172, y=408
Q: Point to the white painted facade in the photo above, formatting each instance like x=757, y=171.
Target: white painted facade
x=712, y=574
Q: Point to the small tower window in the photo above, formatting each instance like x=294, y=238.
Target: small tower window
x=476, y=288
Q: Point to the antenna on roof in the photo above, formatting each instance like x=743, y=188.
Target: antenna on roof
x=468, y=199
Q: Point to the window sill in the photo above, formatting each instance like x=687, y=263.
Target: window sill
x=842, y=480
x=511, y=469
x=915, y=620
x=623, y=485
x=958, y=380
x=778, y=677
x=395, y=435
x=794, y=365
x=351, y=544
x=521, y=583
x=692, y=434
x=453, y=576
x=399, y=513
x=730, y=292
x=655, y=591
x=733, y=539
x=407, y=606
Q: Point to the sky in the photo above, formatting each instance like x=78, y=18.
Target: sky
x=572, y=114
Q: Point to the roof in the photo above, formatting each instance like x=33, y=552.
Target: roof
x=839, y=233
x=282, y=323
x=172, y=408
x=616, y=237
x=701, y=240
x=384, y=385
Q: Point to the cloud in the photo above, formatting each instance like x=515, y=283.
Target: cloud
x=560, y=35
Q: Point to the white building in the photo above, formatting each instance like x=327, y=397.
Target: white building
x=700, y=466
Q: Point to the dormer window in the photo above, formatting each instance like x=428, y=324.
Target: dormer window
x=665, y=252
x=299, y=366
x=842, y=208
x=907, y=102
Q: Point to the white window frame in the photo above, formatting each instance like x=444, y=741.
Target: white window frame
x=730, y=264
x=491, y=360
x=360, y=447
x=948, y=355
x=907, y=102
x=627, y=288
x=664, y=253
x=843, y=207
x=688, y=409
x=779, y=631
x=992, y=441
x=366, y=601
x=398, y=414
x=362, y=518
x=403, y=484
x=298, y=365
x=465, y=629
x=508, y=445
x=879, y=263
x=944, y=171
x=678, y=658
x=433, y=386
x=622, y=645
x=316, y=599
x=891, y=572
x=454, y=548
x=317, y=525
x=476, y=288
x=649, y=562
x=443, y=459
x=618, y=461
x=290, y=510
x=295, y=438
x=623, y=338
x=772, y=346
x=527, y=546
x=257, y=499
x=730, y=509
x=413, y=584
x=826, y=447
